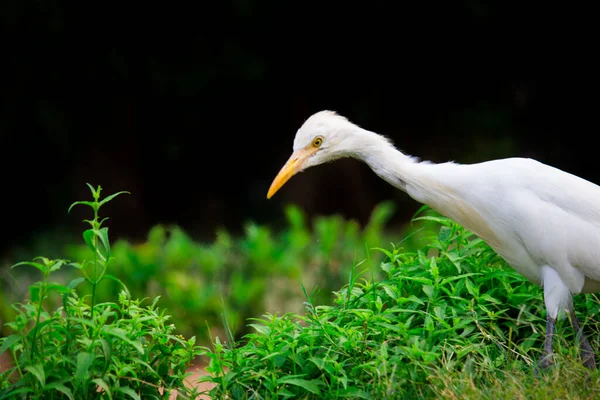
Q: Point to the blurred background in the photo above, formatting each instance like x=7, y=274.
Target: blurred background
x=193, y=107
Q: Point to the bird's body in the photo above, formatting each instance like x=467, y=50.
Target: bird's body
x=525, y=211
x=543, y=221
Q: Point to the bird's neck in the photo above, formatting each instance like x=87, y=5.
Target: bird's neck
x=437, y=185
x=389, y=163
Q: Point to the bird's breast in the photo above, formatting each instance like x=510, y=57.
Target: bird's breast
x=488, y=226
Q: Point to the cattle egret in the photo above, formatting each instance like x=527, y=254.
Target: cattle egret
x=543, y=221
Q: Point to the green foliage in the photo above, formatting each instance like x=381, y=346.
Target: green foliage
x=85, y=349
x=448, y=320
x=242, y=277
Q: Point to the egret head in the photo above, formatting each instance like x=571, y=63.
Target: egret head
x=324, y=136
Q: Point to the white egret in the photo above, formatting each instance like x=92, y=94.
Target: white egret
x=543, y=221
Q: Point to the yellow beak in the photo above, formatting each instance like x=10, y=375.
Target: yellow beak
x=291, y=168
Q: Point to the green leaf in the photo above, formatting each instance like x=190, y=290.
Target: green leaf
x=114, y=278
x=59, y=288
x=13, y=393
x=39, y=266
x=88, y=235
x=84, y=362
x=129, y=392
x=491, y=299
x=45, y=260
x=8, y=341
x=435, y=272
x=386, y=266
x=103, y=235
x=441, y=220
x=75, y=282
x=312, y=386
x=55, y=266
x=85, y=203
x=428, y=290
x=107, y=352
x=471, y=288
x=384, y=251
x=120, y=333
x=112, y=196
x=265, y=330
x=103, y=385
x=38, y=371
x=34, y=293
x=95, y=192
x=61, y=388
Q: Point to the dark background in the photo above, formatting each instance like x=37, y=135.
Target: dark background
x=193, y=107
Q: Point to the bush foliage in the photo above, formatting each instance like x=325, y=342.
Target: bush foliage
x=450, y=319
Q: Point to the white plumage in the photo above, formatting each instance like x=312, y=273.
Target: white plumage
x=543, y=221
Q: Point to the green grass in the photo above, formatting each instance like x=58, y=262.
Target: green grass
x=449, y=320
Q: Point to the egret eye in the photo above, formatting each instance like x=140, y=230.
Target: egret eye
x=317, y=141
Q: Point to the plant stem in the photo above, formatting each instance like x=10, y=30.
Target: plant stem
x=38, y=316
x=95, y=243
x=16, y=362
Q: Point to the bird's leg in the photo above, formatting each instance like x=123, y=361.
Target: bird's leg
x=587, y=353
x=545, y=360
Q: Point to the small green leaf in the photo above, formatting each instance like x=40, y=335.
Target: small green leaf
x=103, y=235
x=386, y=266
x=13, y=393
x=384, y=251
x=129, y=392
x=114, y=278
x=428, y=290
x=59, y=288
x=55, y=266
x=88, y=235
x=265, y=330
x=95, y=192
x=107, y=352
x=45, y=260
x=435, y=272
x=444, y=234
x=103, y=385
x=312, y=386
x=38, y=371
x=61, y=388
x=75, y=282
x=34, y=293
x=429, y=323
x=491, y=299
x=84, y=362
x=85, y=203
x=120, y=333
x=441, y=220
x=471, y=288
x=39, y=266
x=112, y=196
x=8, y=341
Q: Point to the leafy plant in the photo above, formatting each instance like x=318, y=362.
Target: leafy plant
x=87, y=349
x=243, y=276
x=447, y=320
